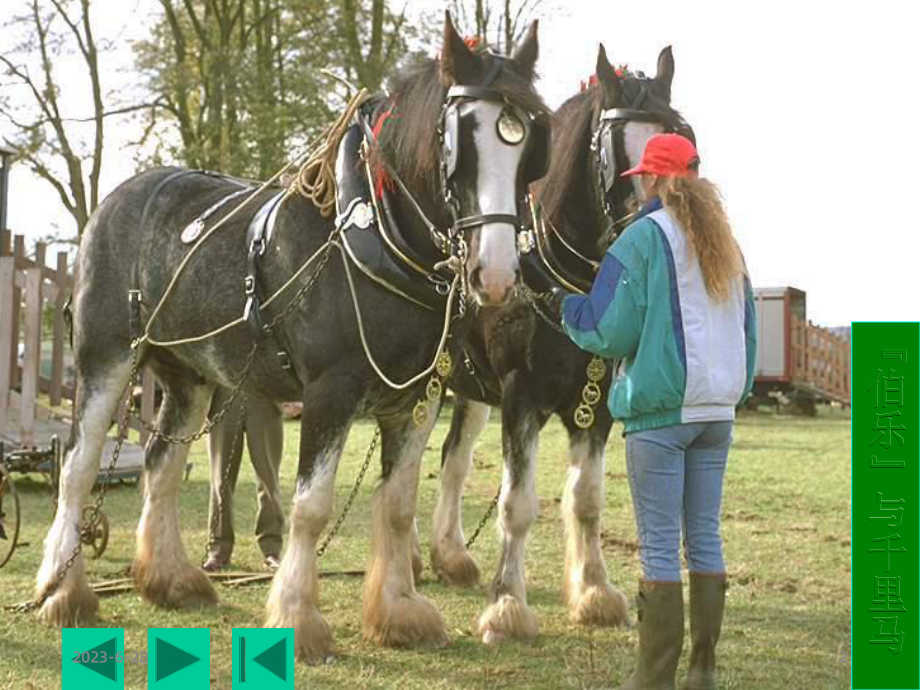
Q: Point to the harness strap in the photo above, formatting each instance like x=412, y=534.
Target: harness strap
x=482, y=219
x=258, y=235
x=135, y=299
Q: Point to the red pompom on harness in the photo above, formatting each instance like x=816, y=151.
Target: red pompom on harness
x=592, y=80
x=382, y=178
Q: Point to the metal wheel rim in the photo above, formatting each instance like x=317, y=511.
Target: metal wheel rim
x=99, y=539
x=10, y=506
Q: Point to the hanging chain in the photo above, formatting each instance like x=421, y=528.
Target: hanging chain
x=485, y=518
x=93, y=519
x=533, y=298
x=351, y=497
x=132, y=412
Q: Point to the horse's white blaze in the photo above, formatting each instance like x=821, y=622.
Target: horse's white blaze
x=447, y=526
x=635, y=136
x=78, y=475
x=497, y=171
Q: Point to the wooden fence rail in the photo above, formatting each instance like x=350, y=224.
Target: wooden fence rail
x=32, y=293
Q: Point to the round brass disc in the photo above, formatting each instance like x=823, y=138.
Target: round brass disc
x=420, y=413
x=596, y=369
x=591, y=393
x=584, y=417
x=510, y=128
x=433, y=389
x=444, y=365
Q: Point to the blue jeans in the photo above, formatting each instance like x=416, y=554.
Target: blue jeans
x=675, y=476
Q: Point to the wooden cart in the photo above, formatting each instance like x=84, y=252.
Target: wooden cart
x=796, y=358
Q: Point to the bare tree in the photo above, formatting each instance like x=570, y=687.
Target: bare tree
x=384, y=38
x=501, y=23
x=46, y=139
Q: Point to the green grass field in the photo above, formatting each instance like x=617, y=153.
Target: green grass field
x=786, y=526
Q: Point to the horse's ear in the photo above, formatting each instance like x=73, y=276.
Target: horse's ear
x=607, y=79
x=665, y=73
x=459, y=65
x=525, y=55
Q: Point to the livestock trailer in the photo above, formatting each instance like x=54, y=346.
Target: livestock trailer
x=794, y=356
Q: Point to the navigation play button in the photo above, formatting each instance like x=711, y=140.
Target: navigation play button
x=171, y=659
x=179, y=658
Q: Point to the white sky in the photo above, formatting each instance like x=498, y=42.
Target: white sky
x=804, y=113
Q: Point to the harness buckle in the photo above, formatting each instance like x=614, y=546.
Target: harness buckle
x=249, y=285
x=284, y=359
x=257, y=246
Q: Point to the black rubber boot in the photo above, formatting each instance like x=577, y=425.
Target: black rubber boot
x=707, y=607
x=661, y=636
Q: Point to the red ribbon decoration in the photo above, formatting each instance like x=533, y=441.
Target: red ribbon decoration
x=382, y=178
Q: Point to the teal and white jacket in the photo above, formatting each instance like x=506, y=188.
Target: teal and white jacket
x=686, y=357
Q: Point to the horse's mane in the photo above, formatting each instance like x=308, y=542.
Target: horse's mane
x=571, y=138
x=410, y=144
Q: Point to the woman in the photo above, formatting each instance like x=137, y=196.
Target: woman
x=673, y=300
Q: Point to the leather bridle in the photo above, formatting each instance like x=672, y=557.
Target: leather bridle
x=606, y=146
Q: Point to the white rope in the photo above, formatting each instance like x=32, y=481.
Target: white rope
x=236, y=322
x=367, y=350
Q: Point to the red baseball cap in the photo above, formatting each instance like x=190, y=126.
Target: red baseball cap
x=668, y=155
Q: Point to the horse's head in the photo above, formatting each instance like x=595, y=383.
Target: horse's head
x=494, y=141
x=601, y=132
x=629, y=109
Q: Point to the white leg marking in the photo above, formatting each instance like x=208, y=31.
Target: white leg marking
x=78, y=475
x=450, y=558
x=162, y=569
x=590, y=597
x=509, y=615
x=394, y=613
x=293, y=600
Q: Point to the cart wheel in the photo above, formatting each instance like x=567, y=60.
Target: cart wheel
x=98, y=538
x=9, y=516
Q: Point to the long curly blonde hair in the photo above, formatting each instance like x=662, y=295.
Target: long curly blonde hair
x=696, y=204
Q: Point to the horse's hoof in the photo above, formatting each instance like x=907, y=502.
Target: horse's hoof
x=600, y=605
x=455, y=568
x=183, y=588
x=508, y=618
x=407, y=620
x=73, y=605
x=312, y=637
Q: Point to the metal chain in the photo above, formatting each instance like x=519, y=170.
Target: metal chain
x=250, y=360
x=485, y=518
x=351, y=498
x=133, y=412
x=532, y=298
x=93, y=518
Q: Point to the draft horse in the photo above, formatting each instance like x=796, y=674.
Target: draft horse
x=518, y=361
x=131, y=250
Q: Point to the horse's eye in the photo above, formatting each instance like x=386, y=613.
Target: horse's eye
x=510, y=128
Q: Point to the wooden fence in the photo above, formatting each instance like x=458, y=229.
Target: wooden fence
x=820, y=360
x=30, y=292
